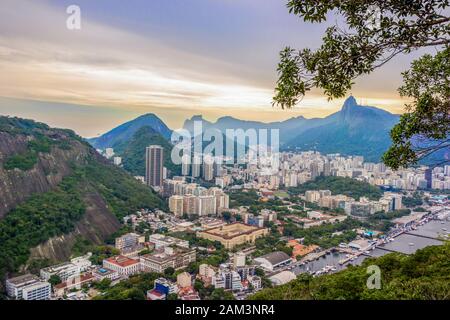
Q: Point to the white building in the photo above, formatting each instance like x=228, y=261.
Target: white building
x=273, y=260
x=123, y=265
x=28, y=287
x=161, y=241
x=64, y=271
x=176, y=205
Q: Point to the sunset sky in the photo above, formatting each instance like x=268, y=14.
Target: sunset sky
x=175, y=58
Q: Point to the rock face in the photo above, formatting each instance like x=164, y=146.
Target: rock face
x=67, y=151
x=17, y=185
x=55, y=189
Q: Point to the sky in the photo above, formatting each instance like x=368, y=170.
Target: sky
x=174, y=58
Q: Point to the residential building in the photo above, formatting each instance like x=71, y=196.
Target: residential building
x=176, y=258
x=123, y=265
x=161, y=241
x=64, y=271
x=233, y=234
x=154, y=161
x=176, y=205
x=28, y=287
x=184, y=280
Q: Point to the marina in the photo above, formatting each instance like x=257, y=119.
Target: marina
x=428, y=232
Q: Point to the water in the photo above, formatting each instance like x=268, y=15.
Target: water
x=401, y=244
x=408, y=244
x=329, y=259
x=434, y=229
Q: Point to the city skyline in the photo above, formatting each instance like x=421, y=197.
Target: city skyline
x=171, y=59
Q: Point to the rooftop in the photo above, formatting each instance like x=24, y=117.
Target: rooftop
x=275, y=257
x=26, y=278
x=122, y=261
x=232, y=230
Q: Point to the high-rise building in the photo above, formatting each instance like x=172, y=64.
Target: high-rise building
x=196, y=162
x=208, y=168
x=154, y=165
x=327, y=169
x=28, y=287
x=206, y=205
x=176, y=205
x=185, y=164
x=429, y=177
x=190, y=204
x=447, y=170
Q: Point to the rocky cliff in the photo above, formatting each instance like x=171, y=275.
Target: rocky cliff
x=17, y=185
x=54, y=189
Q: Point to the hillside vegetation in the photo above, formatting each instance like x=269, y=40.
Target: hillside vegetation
x=340, y=185
x=56, y=212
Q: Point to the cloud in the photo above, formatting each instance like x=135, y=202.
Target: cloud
x=102, y=65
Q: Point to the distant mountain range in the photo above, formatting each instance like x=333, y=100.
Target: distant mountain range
x=354, y=130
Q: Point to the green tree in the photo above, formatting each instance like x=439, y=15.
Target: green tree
x=376, y=32
x=221, y=294
x=54, y=280
x=172, y=296
x=169, y=271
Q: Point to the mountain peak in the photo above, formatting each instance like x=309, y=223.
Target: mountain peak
x=148, y=116
x=349, y=103
x=197, y=117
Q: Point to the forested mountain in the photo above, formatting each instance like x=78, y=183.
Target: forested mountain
x=354, y=130
x=132, y=151
x=126, y=131
x=55, y=188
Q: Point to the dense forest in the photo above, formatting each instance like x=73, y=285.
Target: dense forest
x=340, y=185
x=424, y=275
x=55, y=213
x=133, y=151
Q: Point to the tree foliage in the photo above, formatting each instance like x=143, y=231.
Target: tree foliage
x=421, y=276
x=340, y=185
x=374, y=33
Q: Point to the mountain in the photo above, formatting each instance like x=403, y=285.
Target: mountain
x=54, y=189
x=354, y=130
x=125, y=131
x=133, y=151
x=286, y=127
